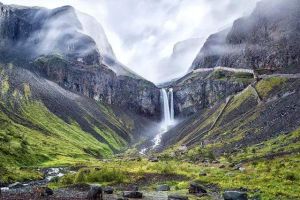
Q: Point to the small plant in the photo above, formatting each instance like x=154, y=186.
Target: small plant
x=67, y=179
x=291, y=176
x=81, y=176
x=107, y=174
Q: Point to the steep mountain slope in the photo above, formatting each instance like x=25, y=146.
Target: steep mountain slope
x=59, y=103
x=267, y=39
x=56, y=45
x=55, y=125
x=260, y=113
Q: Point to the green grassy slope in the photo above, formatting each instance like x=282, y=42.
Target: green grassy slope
x=260, y=134
x=41, y=124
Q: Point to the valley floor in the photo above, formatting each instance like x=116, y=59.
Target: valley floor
x=272, y=177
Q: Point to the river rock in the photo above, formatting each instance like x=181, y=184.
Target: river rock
x=196, y=188
x=235, y=195
x=15, y=185
x=153, y=159
x=163, y=188
x=202, y=173
x=109, y=190
x=44, y=191
x=95, y=193
x=177, y=197
x=133, y=194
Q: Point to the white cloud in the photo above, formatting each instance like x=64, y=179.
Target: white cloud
x=143, y=32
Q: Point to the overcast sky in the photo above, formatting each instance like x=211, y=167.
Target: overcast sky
x=143, y=32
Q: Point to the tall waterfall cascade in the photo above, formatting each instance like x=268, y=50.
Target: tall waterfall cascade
x=167, y=103
x=168, y=120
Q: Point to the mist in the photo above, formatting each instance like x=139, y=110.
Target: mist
x=143, y=33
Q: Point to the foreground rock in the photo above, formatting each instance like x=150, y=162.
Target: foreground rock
x=235, y=195
x=196, y=188
x=44, y=191
x=108, y=190
x=177, y=197
x=163, y=188
x=15, y=185
x=133, y=194
x=95, y=193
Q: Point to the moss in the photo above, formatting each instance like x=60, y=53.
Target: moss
x=264, y=87
x=4, y=86
x=27, y=91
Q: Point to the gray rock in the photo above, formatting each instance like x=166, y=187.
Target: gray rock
x=202, y=173
x=163, y=188
x=95, y=193
x=177, y=197
x=108, y=190
x=15, y=185
x=196, y=188
x=133, y=194
x=44, y=191
x=153, y=159
x=235, y=195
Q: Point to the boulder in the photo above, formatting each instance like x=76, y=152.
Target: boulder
x=95, y=193
x=153, y=159
x=177, y=197
x=133, y=194
x=196, y=188
x=235, y=195
x=108, y=190
x=222, y=166
x=163, y=188
x=15, y=185
x=202, y=173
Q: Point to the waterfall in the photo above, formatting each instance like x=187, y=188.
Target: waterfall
x=167, y=107
x=167, y=104
x=171, y=105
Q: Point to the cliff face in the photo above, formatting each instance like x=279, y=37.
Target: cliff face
x=55, y=44
x=101, y=84
x=198, y=91
x=268, y=38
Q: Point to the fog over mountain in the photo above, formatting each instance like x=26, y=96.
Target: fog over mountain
x=146, y=37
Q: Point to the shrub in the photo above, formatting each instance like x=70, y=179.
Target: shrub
x=67, y=179
x=81, y=176
x=107, y=175
x=291, y=176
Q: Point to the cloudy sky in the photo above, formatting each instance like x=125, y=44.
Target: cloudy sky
x=143, y=32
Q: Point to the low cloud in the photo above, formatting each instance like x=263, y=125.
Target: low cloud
x=143, y=32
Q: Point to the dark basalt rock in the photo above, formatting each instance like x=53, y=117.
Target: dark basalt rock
x=133, y=194
x=108, y=190
x=95, y=193
x=235, y=195
x=163, y=188
x=177, y=197
x=196, y=188
x=16, y=185
x=44, y=191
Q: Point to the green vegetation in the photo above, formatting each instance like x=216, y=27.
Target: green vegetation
x=264, y=87
x=241, y=77
x=32, y=136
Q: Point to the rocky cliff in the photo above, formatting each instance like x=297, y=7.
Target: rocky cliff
x=197, y=91
x=267, y=39
x=54, y=44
